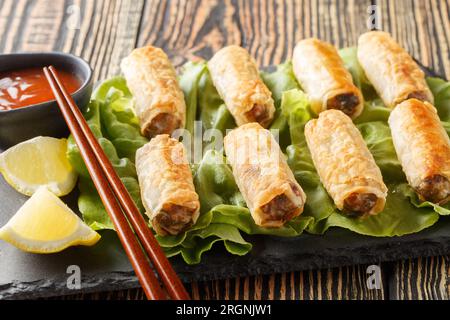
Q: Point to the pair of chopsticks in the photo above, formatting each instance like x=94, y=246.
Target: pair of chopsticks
x=118, y=201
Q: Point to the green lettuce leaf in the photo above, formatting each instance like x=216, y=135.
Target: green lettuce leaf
x=398, y=218
x=116, y=129
x=189, y=84
x=102, y=91
x=441, y=92
x=279, y=81
x=350, y=59
x=212, y=111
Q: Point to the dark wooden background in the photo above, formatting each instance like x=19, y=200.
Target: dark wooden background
x=186, y=29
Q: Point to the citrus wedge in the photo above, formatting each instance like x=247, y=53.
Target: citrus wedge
x=44, y=224
x=38, y=162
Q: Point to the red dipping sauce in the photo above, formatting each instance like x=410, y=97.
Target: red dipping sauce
x=26, y=87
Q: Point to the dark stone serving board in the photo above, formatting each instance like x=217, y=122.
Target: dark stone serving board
x=105, y=266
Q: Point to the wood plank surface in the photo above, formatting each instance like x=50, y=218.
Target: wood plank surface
x=348, y=283
x=424, y=278
x=268, y=29
x=423, y=28
x=103, y=31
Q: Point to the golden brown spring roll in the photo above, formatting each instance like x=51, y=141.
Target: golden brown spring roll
x=345, y=165
x=152, y=80
x=391, y=70
x=423, y=148
x=236, y=78
x=265, y=180
x=321, y=72
x=167, y=188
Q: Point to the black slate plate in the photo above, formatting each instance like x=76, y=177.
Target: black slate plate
x=106, y=267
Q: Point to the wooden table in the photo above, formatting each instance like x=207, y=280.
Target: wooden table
x=103, y=31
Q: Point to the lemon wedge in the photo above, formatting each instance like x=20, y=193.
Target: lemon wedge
x=38, y=162
x=44, y=224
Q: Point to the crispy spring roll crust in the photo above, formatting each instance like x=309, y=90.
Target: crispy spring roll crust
x=423, y=148
x=236, y=77
x=321, y=72
x=345, y=165
x=167, y=188
x=152, y=80
x=391, y=70
x=265, y=180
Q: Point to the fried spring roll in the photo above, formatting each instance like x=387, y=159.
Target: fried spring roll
x=152, y=80
x=236, y=77
x=167, y=188
x=321, y=72
x=345, y=165
x=265, y=180
x=423, y=148
x=391, y=70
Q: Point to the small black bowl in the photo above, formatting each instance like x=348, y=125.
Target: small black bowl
x=43, y=119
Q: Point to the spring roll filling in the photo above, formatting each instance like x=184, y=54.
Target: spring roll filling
x=358, y=204
x=419, y=95
x=163, y=123
x=281, y=207
x=435, y=188
x=347, y=103
x=174, y=219
x=260, y=114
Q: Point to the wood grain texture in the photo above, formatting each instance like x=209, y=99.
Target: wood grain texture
x=102, y=33
x=347, y=283
x=422, y=27
x=420, y=279
x=269, y=29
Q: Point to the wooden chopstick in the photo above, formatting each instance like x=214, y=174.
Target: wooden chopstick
x=112, y=190
x=170, y=279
